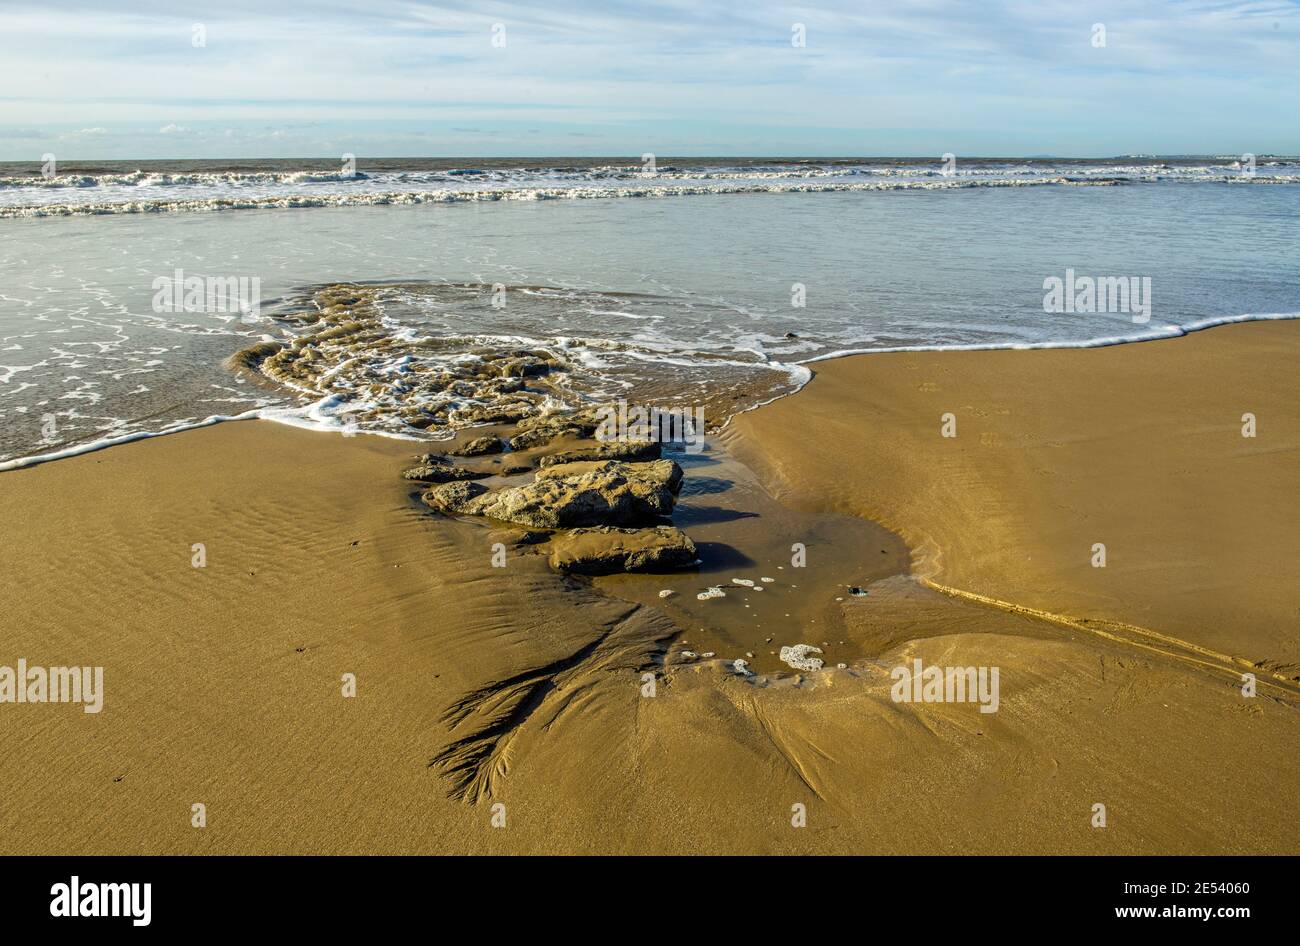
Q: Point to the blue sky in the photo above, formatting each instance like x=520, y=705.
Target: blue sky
x=379, y=78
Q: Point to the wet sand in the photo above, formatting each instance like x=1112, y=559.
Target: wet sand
x=480, y=686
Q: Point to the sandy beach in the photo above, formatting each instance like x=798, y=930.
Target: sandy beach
x=478, y=686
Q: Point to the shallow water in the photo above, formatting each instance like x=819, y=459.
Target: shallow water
x=688, y=298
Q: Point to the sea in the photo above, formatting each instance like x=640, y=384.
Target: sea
x=127, y=287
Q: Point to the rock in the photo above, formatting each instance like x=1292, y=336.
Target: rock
x=743, y=582
x=514, y=469
x=442, y=473
x=667, y=593
x=791, y=335
x=857, y=592
x=542, y=429
x=479, y=447
x=541, y=437
x=604, y=550
x=455, y=499
x=491, y=414
x=564, y=496
x=797, y=657
x=608, y=450
x=742, y=667
x=526, y=366
x=665, y=472
x=712, y=592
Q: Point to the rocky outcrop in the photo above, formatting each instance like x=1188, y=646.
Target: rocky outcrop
x=479, y=446
x=608, y=450
x=455, y=499
x=442, y=472
x=572, y=495
x=601, y=505
x=604, y=550
x=541, y=429
x=664, y=472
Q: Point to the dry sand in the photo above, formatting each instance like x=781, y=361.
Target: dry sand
x=479, y=686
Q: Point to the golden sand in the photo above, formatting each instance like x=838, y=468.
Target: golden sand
x=479, y=687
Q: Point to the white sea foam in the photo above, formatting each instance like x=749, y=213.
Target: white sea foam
x=157, y=192
x=1103, y=341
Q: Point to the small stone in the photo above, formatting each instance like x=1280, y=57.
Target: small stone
x=713, y=592
x=667, y=593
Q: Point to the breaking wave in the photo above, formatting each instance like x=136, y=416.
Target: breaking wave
x=140, y=191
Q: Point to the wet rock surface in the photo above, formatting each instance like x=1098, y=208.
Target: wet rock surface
x=561, y=497
x=437, y=470
x=603, y=550
x=479, y=446
x=601, y=505
x=610, y=450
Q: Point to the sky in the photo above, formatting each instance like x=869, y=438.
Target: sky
x=146, y=79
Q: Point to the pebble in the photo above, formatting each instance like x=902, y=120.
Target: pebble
x=857, y=592
x=742, y=668
x=746, y=582
x=714, y=592
x=667, y=593
x=767, y=580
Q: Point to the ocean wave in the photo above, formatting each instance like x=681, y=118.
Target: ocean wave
x=162, y=179
x=411, y=197
x=141, y=191
x=1102, y=341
